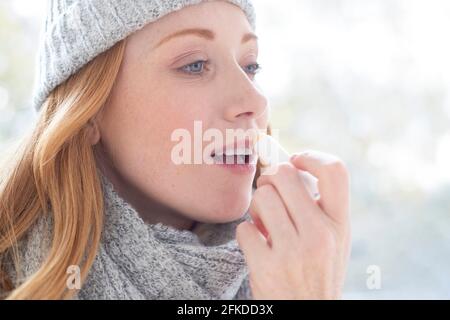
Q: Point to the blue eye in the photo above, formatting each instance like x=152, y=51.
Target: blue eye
x=197, y=68
x=253, y=68
x=194, y=68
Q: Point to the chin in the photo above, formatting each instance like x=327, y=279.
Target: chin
x=227, y=211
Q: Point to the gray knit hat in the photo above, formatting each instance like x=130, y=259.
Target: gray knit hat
x=76, y=31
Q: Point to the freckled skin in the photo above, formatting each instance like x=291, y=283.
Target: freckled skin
x=151, y=99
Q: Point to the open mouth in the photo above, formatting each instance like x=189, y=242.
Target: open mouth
x=243, y=156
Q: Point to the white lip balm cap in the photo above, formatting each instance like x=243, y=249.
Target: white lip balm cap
x=271, y=153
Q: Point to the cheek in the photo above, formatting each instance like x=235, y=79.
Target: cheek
x=153, y=139
x=146, y=142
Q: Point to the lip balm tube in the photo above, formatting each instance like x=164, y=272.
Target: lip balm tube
x=271, y=153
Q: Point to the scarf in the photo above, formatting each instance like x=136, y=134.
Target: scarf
x=137, y=260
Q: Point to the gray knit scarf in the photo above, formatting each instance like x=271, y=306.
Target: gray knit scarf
x=137, y=260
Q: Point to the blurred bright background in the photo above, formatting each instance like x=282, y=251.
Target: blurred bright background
x=368, y=81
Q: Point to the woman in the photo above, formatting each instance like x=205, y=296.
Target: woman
x=94, y=205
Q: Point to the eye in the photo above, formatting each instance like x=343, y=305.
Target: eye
x=253, y=68
x=197, y=68
x=194, y=68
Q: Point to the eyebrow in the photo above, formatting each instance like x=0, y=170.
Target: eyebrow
x=202, y=33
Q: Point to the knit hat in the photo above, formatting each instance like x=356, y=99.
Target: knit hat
x=76, y=31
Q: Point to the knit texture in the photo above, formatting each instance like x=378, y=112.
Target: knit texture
x=155, y=261
x=76, y=31
x=137, y=260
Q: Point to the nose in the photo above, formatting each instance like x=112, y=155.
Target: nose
x=244, y=100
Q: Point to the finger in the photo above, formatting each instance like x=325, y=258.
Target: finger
x=333, y=181
x=267, y=206
x=259, y=224
x=299, y=204
x=252, y=243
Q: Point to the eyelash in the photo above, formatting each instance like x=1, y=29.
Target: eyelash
x=206, y=62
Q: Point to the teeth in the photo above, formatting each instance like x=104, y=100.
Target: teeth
x=239, y=152
x=230, y=159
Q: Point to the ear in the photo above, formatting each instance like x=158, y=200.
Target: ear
x=93, y=131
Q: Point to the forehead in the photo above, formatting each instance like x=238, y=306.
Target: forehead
x=217, y=16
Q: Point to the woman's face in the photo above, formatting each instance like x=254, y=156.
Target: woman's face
x=162, y=88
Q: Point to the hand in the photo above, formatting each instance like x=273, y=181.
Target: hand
x=298, y=247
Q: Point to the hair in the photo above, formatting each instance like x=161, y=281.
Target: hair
x=54, y=174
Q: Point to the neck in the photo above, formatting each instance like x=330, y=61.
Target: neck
x=149, y=209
